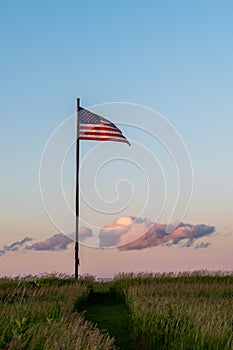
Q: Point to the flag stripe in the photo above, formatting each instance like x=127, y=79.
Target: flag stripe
x=102, y=138
x=90, y=135
x=97, y=127
x=98, y=132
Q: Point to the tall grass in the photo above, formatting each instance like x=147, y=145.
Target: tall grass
x=40, y=313
x=167, y=311
x=183, y=312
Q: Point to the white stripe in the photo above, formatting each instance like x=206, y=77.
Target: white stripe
x=108, y=127
x=104, y=137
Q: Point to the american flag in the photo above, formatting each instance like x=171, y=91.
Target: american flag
x=95, y=127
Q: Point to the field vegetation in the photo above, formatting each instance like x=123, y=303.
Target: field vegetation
x=41, y=314
x=179, y=312
x=144, y=311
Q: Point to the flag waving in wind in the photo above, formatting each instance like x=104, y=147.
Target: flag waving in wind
x=91, y=126
x=95, y=127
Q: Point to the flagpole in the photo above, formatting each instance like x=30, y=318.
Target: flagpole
x=77, y=194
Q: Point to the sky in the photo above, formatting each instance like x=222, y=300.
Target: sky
x=163, y=67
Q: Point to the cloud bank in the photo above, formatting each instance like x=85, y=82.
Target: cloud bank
x=126, y=233
x=130, y=233
x=57, y=242
x=17, y=245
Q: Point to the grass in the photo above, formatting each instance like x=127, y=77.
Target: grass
x=109, y=312
x=40, y=314
x=162, y=311
x=184, y=312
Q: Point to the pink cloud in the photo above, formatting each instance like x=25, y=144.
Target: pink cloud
x=138, y=233
x=59, y=241
x=84, y=233
x=123, y=230
x=56, y=242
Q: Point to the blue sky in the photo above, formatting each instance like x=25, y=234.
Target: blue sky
x=172, y=56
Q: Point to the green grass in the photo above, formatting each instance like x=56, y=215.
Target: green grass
x=109, y=312
x=184, y=312
x=41, y=315
x=160, y=311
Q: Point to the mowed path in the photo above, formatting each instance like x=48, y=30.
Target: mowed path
x=105, y=310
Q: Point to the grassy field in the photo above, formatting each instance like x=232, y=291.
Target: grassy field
x=131, y=312
x=41, y=314
x=183, y=312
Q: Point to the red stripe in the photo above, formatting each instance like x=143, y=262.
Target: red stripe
x=105, y=134
x=104, y=139
x=99, y=132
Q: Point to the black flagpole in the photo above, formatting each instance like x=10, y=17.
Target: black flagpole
x=77, y=193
